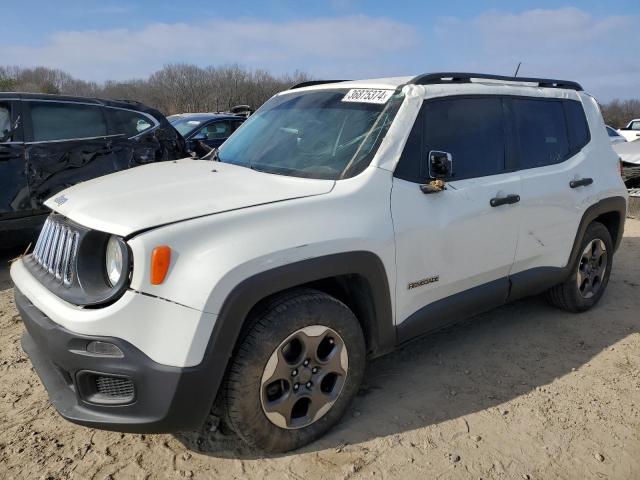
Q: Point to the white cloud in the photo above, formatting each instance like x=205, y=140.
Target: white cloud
x=562, y=43
x=325, y=46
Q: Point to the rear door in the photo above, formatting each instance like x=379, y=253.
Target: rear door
x=67, y=143
x=550, y=137
x=454, y=249
x=14, y=191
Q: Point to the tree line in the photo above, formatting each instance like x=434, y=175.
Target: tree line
x=176, y=88
x=182, y=87
x=618, y=113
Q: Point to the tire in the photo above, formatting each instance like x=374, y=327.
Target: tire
x=267, y=398
x=592, y=277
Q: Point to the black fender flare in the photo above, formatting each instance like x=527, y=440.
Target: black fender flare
x=249, y=292
x=607, y=205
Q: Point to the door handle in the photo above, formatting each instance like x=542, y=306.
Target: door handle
x=508, y=200
x=583, y=182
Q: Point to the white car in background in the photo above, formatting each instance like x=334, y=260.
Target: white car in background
x=632, y=131
x=614, y=136
x=629, y=153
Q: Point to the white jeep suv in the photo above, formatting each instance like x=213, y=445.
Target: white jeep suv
x=339, y=221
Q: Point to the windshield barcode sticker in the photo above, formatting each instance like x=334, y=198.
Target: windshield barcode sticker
x=367, y=95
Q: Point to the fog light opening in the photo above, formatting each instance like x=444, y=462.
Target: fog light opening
x=105, y=349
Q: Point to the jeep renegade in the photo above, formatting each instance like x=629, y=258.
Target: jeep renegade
x=339, y=221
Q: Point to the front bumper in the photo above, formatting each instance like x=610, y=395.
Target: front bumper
x=165, y=398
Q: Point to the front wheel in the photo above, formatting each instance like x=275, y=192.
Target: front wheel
x=295, y=372
x=590, y=274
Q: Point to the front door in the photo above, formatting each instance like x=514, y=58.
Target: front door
x=454, y=249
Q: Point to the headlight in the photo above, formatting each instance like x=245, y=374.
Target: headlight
x=114, y=260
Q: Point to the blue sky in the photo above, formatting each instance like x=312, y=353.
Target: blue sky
x=594, y=42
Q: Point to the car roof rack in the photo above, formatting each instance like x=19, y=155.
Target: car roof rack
x=463, y=77
x=311, y=83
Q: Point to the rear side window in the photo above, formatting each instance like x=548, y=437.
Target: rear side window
x=66, y=121
x=128, y=122
x=471, y=130
x=577, y=126
x=541, y=132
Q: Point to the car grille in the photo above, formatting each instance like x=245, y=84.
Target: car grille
x=56, y=250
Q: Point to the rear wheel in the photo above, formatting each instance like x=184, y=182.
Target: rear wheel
x=590, y=274
x=295, y=372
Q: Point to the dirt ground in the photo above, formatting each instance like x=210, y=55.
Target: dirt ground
x=525, y=391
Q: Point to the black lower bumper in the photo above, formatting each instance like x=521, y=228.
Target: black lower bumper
x=165, y=399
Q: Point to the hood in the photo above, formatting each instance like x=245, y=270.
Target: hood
x=628, y=151
x=166, y=192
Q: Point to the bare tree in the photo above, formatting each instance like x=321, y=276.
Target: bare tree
x=618, y=113
x=176, y=88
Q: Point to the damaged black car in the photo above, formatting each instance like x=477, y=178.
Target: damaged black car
x=50, y=142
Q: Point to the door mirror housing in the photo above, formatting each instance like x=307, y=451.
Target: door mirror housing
x=440, y=165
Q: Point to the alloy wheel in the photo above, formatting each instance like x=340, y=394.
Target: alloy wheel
x=304, y=377
x=592, y=268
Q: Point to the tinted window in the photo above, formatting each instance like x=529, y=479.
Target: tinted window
x=66, y=121
x=5, y=123
x=128, y=122
x=471, y=130
x=541, y=132
x=634, y=125
x=577, y=125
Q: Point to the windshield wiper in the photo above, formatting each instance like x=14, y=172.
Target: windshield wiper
x=211, y=155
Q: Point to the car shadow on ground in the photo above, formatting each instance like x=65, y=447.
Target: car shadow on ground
x=470, y=367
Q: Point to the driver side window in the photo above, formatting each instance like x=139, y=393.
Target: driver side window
x=216, y=131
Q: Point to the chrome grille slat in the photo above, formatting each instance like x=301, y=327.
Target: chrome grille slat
x=56, y=249
x=44, y=236
x=57, y=268
x=52, y=251
x=68, y=263
x=38, y=247
x=47, y=247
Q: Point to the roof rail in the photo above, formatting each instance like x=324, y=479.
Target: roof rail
x=462, y=77
x=310, y=83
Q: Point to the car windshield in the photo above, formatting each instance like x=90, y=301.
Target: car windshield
x=317, y=134
x=185, y=126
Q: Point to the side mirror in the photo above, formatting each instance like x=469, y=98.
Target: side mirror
x=200, y=137
x=440, y=165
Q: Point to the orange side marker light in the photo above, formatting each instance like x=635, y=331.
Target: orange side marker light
x=160, y=261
